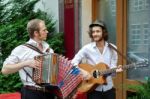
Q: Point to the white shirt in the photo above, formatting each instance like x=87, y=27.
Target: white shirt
x=23, y=53
x=93, y=56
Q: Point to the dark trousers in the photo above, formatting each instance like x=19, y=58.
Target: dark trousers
x=110, y=94
x=34, y=94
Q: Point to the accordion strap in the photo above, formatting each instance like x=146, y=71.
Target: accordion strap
x=27, y=74
x=35, y=49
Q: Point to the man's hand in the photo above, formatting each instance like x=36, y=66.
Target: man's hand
x=85, y=74
x=32, y=63
x=119, y=68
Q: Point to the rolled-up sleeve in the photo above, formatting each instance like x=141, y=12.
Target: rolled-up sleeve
x=12, y=58
x=78, y=57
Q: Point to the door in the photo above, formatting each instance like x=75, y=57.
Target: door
x=128, y=25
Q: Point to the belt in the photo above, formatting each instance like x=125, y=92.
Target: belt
x=43, y=89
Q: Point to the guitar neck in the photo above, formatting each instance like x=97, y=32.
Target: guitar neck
x=113, y=70
x=124, y=67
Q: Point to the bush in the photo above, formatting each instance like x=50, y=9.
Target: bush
x=142, y=91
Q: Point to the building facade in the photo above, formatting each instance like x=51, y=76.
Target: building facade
x=128, y=24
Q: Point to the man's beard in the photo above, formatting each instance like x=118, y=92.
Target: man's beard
x=41, y=38
x=100, y=39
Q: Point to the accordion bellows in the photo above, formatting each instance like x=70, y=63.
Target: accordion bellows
x=58, y=71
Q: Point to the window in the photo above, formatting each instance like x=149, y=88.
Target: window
x=138, y=48
x=107, y=13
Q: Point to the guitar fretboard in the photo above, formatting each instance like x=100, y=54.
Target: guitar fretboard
x=124, y=67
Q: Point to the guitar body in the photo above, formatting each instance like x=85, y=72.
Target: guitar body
x=98, y=71
x=95, y=80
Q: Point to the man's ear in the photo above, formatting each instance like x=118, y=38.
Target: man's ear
x=35, y=33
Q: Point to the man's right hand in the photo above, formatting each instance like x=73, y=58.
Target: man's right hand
x=85, y=74
x=32, y=63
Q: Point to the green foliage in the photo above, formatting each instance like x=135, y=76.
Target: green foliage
x=142, y=91
x=56, y=41
x=14, y=16
x=10, y=83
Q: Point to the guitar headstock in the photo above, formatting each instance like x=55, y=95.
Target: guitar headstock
x=143, y=63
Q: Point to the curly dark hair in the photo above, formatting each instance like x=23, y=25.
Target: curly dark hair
x=104, y=29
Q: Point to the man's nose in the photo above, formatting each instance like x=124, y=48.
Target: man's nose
x=47, y=32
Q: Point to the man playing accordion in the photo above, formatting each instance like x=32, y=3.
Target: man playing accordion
x=22, y=59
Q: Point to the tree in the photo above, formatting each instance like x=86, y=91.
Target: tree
x=14, y=16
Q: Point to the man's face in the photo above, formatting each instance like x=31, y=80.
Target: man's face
x=42, y=34
x=97, y=33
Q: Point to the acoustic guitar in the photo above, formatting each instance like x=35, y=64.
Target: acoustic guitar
x=98, y=73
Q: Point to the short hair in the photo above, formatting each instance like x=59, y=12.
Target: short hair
x=100, y=24
x=33, y=25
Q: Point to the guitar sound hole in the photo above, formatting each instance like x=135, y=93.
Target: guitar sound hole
x=96, y=74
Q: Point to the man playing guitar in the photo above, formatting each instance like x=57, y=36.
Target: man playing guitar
x=97, y=52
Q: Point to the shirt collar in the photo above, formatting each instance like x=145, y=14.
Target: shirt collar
x=94, y=44
x=34, y=43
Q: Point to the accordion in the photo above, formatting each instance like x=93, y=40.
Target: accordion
x=57, y=72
